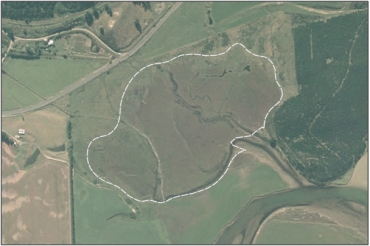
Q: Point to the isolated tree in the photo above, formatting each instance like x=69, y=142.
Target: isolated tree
x=137, y=25
x=273, y=143
x=101, y=29
x=89, y=18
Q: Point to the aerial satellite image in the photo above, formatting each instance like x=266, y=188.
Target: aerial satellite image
x=184, y=122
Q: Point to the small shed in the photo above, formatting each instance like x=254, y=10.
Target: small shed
x=51, y=42
x=21, y=131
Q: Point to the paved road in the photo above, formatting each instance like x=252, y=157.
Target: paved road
x=96, y=73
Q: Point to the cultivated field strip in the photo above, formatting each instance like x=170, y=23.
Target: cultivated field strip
x=227, y=168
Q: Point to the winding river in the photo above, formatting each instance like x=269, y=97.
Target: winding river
x=255, y=212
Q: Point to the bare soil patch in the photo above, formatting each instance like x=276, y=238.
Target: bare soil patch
x=35, y=203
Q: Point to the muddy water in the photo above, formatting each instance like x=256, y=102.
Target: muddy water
x=253, y=214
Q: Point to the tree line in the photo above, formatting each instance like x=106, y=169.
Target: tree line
x=33, y=11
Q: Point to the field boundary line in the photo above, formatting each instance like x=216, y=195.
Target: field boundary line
x=231, y=142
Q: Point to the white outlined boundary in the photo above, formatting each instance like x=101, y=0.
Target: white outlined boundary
x=227, y=168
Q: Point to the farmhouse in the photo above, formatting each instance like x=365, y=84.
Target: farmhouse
x=21, y=131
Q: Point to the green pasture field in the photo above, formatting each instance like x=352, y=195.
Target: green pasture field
x=222, y=10
x=94, y=209
x=284, y=232
x=46, y=77
x=14, y=95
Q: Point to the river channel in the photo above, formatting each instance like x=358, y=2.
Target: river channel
x=254, y=213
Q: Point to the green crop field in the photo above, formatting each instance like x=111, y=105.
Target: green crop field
x=46, y=77
x=280, y=232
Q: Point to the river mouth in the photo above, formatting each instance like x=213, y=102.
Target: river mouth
x=249, y=219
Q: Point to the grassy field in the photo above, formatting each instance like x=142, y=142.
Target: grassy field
x=222, y=10
x=306, y=233
x=46, y=77
x=180, y=221
x=99, y=220
x=15, y=95
x=35, y=203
